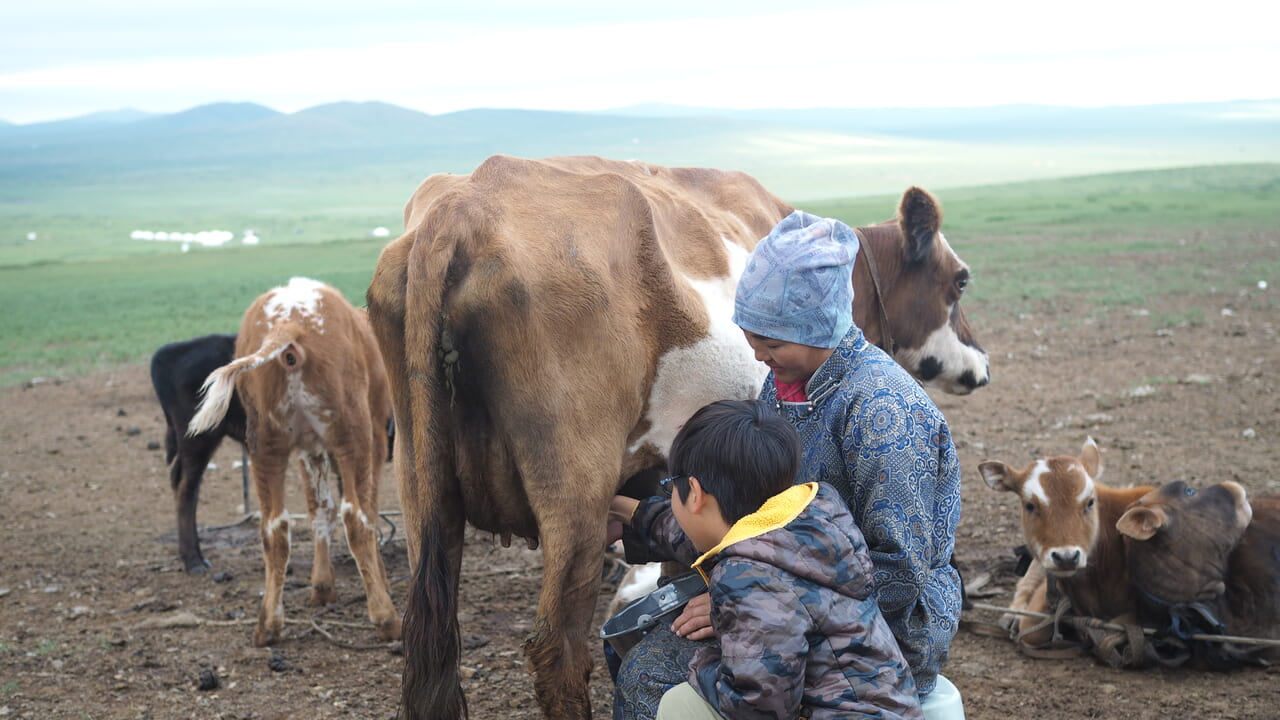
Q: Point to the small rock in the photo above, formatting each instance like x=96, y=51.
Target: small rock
x=153, y=445
x=223, y=577
x=471, y=642
x=1249, y=433
x=1142, y=391
x=121, y=412
x=208, y=680
x=133, y=431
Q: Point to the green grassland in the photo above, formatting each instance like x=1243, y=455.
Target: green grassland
x=1124, y=240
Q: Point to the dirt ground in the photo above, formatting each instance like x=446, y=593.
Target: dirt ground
x=93, y=598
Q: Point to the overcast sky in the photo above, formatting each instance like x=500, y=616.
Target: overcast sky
x=60, y=58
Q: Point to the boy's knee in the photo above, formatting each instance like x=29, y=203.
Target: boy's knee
x=682, y=702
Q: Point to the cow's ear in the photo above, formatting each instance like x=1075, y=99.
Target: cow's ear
x=1091, y=457
x=997, y=475
x=920, y=219
x=1141, y=522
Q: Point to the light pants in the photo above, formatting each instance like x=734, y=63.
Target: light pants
x=682, y=702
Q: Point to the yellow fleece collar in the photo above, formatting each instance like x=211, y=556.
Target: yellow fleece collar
x=776, y=512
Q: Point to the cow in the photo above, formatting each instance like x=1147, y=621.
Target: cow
x=1207, y=561
x=312, y=383
x=1069, y=525
x=177, y=372
x=547, y=326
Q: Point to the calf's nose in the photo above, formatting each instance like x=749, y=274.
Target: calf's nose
x=1065, y=559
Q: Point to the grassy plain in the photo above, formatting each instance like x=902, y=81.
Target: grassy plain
x=93, y=304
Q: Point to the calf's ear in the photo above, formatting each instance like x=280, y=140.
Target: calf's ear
x=1091, y=457
x=1141, y=522
x=997, y=475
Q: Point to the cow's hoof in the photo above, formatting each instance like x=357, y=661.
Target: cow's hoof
x=263, y=637
x=197, y=565
x=389, y=631
x=323, y=596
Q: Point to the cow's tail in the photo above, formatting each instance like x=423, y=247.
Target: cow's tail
x=432, y=684
x=407, y=310
x=221, y=383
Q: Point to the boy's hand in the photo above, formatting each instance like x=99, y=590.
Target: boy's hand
x=694, y=621
x=621, y=508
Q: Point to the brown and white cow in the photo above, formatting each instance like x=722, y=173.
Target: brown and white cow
x=312, y=383
x=1211, y=558
x=1069, y=524
x=547, y=326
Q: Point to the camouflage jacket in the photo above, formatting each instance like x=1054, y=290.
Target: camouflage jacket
x=799, y=632
x=869, y=429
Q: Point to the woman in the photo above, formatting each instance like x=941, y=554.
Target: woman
x=867, y=427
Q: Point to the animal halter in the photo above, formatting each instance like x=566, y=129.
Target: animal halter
x=886, y=340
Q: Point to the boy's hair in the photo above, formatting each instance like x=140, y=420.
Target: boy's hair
x=741, y=451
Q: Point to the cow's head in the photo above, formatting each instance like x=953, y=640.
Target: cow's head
x=921, y=280
x=1059, y=506
x=1178, y=539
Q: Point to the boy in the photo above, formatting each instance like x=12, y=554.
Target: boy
x=799, y=631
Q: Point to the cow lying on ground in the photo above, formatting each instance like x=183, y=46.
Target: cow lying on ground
x=547, y=325
x=312, y=382
x=177, y=372
x=1210, y=560
x=1069, y=524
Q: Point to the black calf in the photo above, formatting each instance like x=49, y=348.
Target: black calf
x=177, y=372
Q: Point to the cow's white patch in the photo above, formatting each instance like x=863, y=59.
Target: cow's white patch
x=720, y=366
x=956, y=358
x=348, y=507
x=306, y=413
x=639, y=581
x=1033, y=488
x=318, y=476
x=1086, y=492
x=301, y=295
x=281, y=520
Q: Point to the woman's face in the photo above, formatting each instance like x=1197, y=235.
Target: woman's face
x=790, y=362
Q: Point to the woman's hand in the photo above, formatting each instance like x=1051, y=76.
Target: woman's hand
x=621, y=508
x=694, y=621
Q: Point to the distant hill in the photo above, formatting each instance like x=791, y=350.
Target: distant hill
x=382, y=150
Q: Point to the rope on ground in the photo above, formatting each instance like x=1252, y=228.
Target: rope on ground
x=1102, y=624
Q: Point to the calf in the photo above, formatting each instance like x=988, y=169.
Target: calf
x=1069, y=522
x=312, y=382
x=1207, y=562
x=177, y=372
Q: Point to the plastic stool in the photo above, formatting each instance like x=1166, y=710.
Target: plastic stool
x=944, y=702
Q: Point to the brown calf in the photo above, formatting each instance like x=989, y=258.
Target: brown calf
x=312, y=382
x=1211, y=560
x=1069, y=523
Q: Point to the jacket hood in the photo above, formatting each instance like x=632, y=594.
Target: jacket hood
x=806, y=530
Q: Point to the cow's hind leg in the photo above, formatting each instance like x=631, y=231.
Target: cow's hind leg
x=323, y=513
x=268, y=479
x=358, y=469
x=185, y=475
x=557, y=647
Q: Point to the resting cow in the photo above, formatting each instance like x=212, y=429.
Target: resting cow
x=311, y=380
x=177, y=372
x=1069, y=524
x=1207, y=561
x=547, y=325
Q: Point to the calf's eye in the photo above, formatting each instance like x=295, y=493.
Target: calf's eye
x=1031, y=507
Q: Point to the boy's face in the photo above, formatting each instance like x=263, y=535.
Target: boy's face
x=790, y=362
x=699, y=516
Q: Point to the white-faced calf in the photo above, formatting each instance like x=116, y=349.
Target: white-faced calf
x=1211, y=560
x=1069, y=523
x=311, y=379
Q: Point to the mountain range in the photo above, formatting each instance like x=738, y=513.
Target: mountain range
x=806, y=153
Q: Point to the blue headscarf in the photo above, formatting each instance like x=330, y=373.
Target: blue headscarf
x=798, y=284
